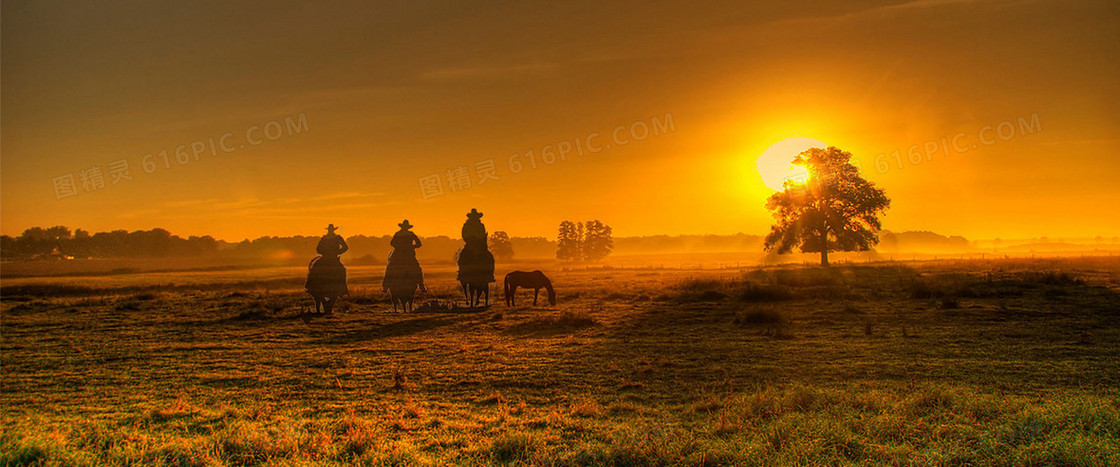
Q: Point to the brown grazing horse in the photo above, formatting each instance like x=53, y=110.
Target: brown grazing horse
x=530, y=280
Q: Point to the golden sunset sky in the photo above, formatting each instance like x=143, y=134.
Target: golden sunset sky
x=382, y=96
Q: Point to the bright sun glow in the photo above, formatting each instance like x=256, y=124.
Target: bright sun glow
x=774, y=163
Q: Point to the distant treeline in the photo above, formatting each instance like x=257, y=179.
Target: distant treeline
x=921, y=241
x=61, y=243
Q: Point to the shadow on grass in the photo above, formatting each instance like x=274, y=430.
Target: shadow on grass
x=406, y=327
x=565, y=323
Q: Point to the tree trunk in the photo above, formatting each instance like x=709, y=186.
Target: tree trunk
x=824, y=244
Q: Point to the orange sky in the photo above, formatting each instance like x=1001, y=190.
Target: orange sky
x=391, y=94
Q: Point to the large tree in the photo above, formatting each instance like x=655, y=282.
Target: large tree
x=569, y=242
x=833, y=210
x=597, y=241
x=501, y=245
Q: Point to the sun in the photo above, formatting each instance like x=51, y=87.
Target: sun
x=774, y=164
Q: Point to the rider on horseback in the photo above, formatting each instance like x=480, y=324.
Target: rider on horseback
x=473, y=230
x=476, y=263
x=402, y=261
x=331, y=245
x=475, y=260
x=326, y=276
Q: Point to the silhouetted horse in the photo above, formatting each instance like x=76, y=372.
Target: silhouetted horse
x=402, y=277
x=476, y=272
x=326, y=281
x=402, y=292
x=530, y=280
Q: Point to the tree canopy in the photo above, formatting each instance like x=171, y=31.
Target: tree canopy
x=501, y=245
x=835, y=209
x=584, y=241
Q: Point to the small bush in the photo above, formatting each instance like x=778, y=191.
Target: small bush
x=765, y=293
x=400, y=380
x=812, y=277
x=364, y=297
x=514, y=447
x=574, y=320
x=701, y=290
x=129, y=305
x=1050, y=278
x=145, y=296
x=46, y=290
x=586, y=409
x=760, y=317
x=29, y=307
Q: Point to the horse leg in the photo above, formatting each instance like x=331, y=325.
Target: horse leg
x=487, y=294
x=535, y=293
x=328, y=304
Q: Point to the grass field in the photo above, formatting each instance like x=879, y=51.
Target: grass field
x=996, y=362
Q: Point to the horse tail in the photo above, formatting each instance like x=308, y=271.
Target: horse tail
x=505, y=288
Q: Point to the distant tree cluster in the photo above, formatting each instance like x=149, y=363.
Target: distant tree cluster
x=922, y=241
x=583, y=241
x=501, y=245
x=59, y=241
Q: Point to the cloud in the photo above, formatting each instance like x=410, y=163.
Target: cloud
x=189, y=202
x=312, y=208
x=886, y=10
x=347, y=195
x=139, y=213
x=486, y=72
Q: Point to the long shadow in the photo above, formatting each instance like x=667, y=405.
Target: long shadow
x=400, y=328
x=881, y=323
x=550, y=326
x=253, y=319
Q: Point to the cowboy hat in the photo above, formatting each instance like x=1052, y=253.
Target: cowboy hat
x=474, y=214
x=331, y=228
x=405, y=225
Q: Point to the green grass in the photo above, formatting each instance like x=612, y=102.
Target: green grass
x=774, y=366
